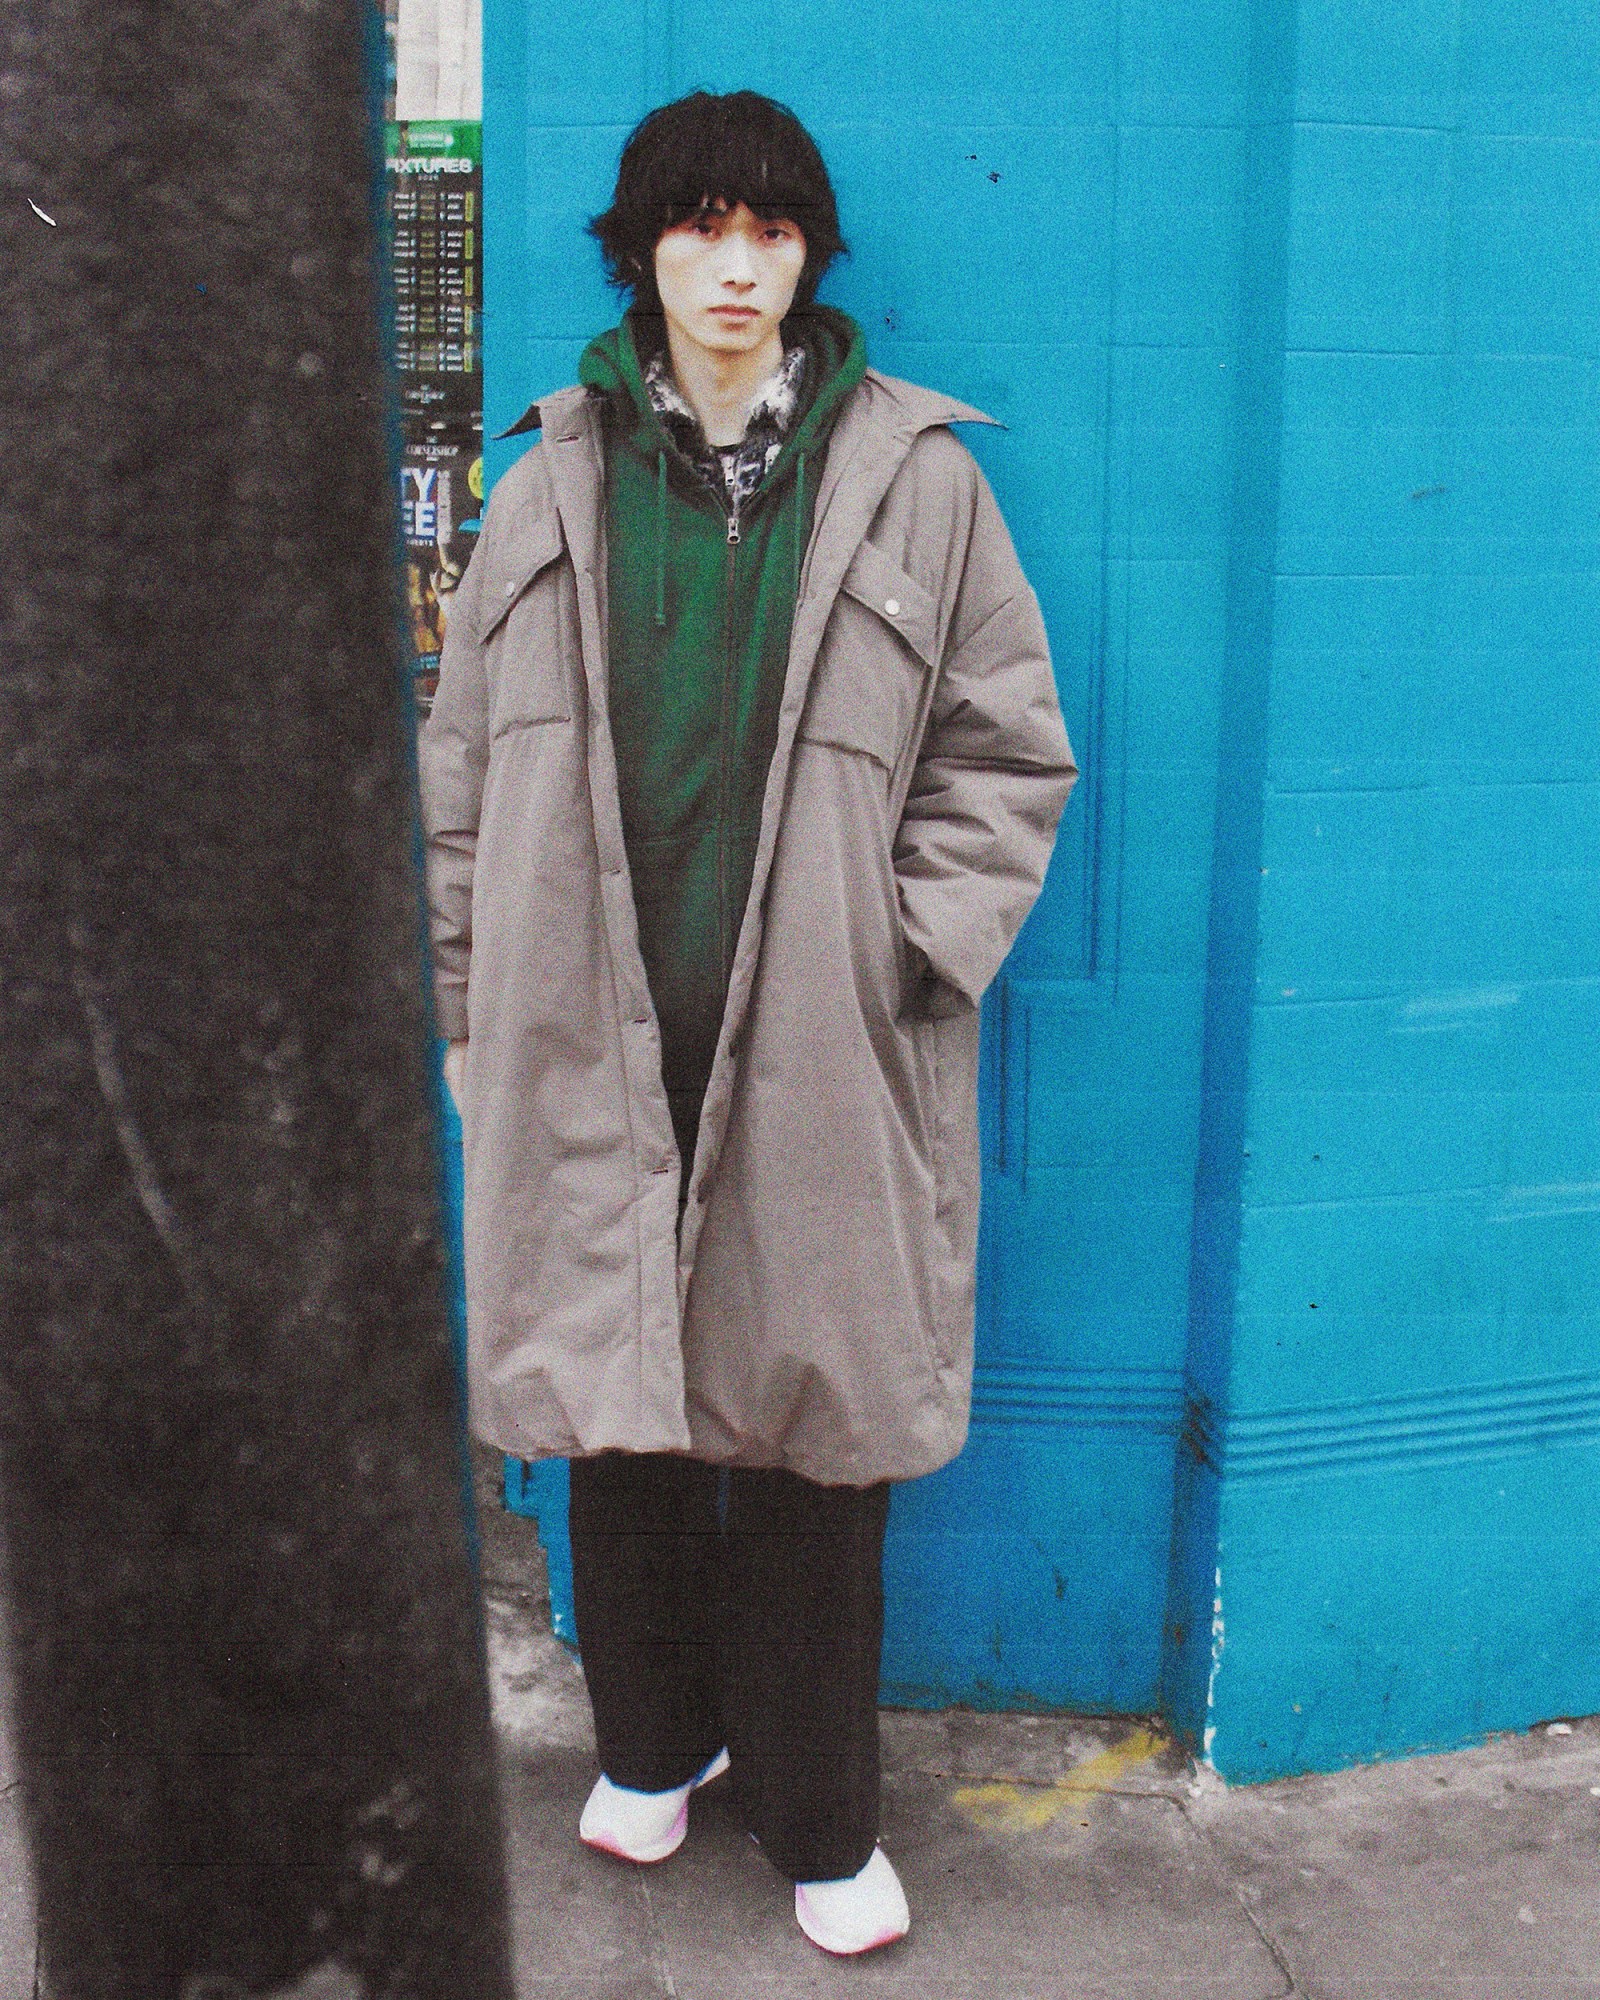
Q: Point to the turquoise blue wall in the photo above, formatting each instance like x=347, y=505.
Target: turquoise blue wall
x=1288, y=1400
x=1393, y=1538
x=1040, y=202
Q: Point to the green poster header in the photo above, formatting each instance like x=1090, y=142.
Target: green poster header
x=433, y=146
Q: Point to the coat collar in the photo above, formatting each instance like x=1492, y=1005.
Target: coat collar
x=880, y=421
x=921, y=409
x=571, y=424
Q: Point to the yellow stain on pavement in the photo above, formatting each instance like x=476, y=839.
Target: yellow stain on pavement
x=1004, y=1806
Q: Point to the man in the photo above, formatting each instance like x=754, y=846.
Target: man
x=743, y=772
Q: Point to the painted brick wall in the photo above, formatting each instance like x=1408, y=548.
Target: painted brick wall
x=1041, y=203
x=1395, y=1351
x=1291, y=1094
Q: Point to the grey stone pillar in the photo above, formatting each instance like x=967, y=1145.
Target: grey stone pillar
x=248, y=1661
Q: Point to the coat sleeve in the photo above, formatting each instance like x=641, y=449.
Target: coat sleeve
x=452, y=758
x=990, y=781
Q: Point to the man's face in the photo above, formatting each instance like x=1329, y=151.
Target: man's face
x=727, y=278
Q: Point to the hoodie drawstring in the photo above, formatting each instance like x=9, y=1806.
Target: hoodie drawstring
x=661, y=538
x=800, y=523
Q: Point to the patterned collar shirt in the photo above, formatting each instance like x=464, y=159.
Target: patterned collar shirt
x=733, y=471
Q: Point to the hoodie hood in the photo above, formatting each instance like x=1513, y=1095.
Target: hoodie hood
x=614, y=364
x=836, y=360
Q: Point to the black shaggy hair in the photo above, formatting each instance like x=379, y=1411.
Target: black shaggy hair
x=705, y=151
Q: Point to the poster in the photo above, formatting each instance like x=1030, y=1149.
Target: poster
x=435, y=199
x=441, y=503
x=434, y=184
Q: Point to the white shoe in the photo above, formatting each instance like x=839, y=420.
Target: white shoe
x=641, y=1826
x=856, y=1913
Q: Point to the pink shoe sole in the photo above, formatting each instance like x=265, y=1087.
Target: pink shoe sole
x=861, y=1914
x=669, y=1846
x=609, y=1822
x=807, y=1920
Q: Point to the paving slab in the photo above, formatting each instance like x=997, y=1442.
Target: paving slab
x=17, y=1932
x=1471, y=1876
x=1117, y=1896
x=1120, y=1754
x=582, y=1927
x=1046, y=1858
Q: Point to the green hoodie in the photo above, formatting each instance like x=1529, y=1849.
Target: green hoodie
x=699, y=643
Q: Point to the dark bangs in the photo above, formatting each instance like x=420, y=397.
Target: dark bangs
x=706, y=151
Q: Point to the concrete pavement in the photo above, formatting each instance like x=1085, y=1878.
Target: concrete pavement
x=16, y=1889
x=1051, y=1858
x=1046, y=1858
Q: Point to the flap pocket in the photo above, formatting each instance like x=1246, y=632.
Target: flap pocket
x=879, y=583
x=529, y=625
x=869, y=689
x=515, y=569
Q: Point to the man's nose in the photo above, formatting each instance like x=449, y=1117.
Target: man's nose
x=738, y=267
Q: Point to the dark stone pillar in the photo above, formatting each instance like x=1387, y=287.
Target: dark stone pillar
x=250, y=1690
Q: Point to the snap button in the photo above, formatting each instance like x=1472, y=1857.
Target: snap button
x=892, y=606
x=511, y=590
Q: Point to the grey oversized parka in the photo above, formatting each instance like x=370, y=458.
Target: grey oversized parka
x=816, y=1309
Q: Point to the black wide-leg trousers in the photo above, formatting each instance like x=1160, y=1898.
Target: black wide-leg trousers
x=740, y=1607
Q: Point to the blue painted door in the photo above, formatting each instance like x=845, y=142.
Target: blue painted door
x=1036, y=193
